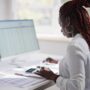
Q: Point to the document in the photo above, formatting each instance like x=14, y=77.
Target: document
x=2, y=74
x=21, y=82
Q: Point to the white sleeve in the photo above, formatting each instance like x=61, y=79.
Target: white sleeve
x=76, y=66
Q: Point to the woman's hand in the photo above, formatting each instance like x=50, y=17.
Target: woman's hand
x=48, y=74
x=50, y=60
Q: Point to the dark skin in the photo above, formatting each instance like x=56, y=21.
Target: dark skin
x=47, y=73
x=50, y=60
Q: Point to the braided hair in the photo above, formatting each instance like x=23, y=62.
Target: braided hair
x=79, y=17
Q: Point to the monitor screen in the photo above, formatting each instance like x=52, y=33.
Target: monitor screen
x=16, y=37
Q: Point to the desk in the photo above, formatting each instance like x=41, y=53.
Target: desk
x=9, y=67
x=16, y=88
x=22, y=82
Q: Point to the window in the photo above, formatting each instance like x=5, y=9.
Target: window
x=43, y=12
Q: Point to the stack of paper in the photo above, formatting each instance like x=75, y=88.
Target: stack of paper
x=20, y=82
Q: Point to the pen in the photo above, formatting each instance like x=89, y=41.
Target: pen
x=20, y=74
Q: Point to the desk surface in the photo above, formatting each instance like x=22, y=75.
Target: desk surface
x=28, y=82
x=9, y=65
x=24, y=82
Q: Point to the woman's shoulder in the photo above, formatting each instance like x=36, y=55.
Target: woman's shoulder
x=79, y=42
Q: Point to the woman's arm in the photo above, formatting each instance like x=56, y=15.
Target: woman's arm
x=76, y=66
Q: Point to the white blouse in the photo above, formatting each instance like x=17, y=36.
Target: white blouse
x=75, y=67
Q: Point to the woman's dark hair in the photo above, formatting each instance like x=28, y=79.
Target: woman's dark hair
x=79, y=17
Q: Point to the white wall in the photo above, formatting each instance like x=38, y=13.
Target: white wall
x=6, y=10
x=57, y=47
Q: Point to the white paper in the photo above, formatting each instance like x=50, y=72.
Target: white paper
x=20, y=82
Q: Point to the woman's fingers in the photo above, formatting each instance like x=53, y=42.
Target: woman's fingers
x=50, y=60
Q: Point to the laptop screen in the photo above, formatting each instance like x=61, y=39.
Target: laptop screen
x=16, y=37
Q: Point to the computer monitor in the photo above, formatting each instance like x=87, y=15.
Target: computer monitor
x=16, y=37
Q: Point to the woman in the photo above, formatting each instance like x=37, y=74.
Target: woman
x=75, y=67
